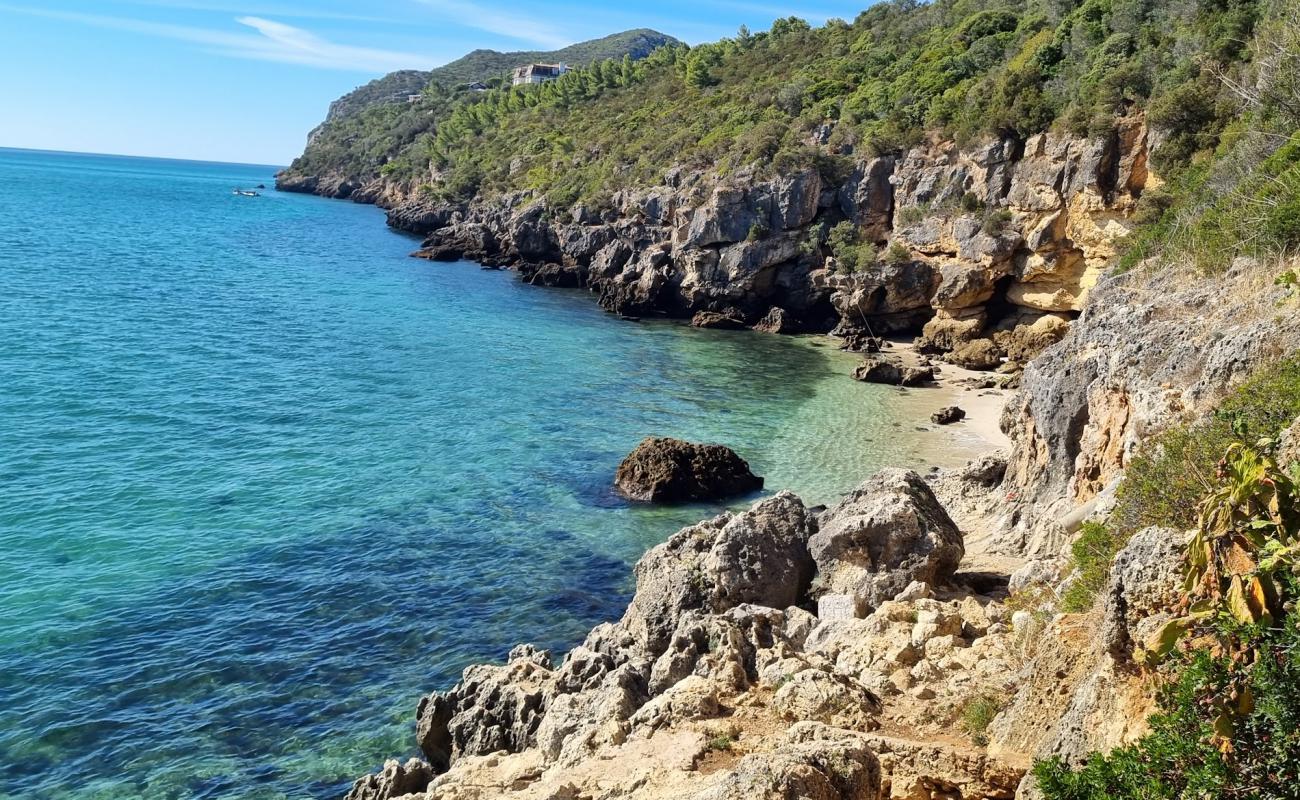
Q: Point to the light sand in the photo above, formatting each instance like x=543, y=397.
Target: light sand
x=953, y=445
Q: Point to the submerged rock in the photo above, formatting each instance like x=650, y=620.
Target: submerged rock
x=663, y=470
x=717, y=320
x=948, y=415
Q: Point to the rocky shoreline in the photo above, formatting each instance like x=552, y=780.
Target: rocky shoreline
x=986, y=252
x=906, y=643
x=903, y=644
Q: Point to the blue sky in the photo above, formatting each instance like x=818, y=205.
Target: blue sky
x=244, y=80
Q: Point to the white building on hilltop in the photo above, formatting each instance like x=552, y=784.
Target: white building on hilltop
x=538, y=73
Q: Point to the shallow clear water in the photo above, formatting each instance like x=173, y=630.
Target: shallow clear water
x=264, y=479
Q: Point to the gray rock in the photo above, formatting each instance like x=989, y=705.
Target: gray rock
x=816, y=762
x=1145, y=586
x=886, y=534
x=492, y=708
x=1288, y=446
x=879, y=369
x=758, y=557
x=394, y=780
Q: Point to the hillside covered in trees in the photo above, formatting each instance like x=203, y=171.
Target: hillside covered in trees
x=798, y=94
x=372, y=123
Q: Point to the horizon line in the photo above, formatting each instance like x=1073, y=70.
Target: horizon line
x=48, y=151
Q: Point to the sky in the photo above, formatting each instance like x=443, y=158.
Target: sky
x=245, y=80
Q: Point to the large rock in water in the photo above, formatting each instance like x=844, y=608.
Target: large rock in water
x=887, y=533
x=663, y=470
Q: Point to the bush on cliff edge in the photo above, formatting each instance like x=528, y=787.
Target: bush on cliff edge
x=1166, y=480
x=1229, y=721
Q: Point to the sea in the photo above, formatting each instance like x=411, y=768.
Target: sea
x=265, y=479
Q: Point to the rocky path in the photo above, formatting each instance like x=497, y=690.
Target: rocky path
x=718, y=683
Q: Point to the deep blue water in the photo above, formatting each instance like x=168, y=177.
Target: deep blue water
x=264, y=480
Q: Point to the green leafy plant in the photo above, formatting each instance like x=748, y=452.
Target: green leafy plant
x=720, y=744
x=1229, y=723
x=1245, y=551
x=1166, y=480
x=976, y=716
x=1091, y=557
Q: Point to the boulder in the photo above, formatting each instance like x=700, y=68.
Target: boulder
x=777, y=320
x=948, y=415
x=1023, y=336
x=886, y=534
x=978, y=354
x=917, y=376
x=814, y=762
x=877, y=369
x=664, y=470
x=719, y=320
x=758, y=557
x=394, y=780
x=952, y=329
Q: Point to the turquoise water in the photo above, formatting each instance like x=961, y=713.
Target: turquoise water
x=264, y=479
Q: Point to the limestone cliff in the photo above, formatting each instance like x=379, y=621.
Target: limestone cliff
x=990, y=251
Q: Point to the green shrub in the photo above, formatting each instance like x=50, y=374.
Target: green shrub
x=997, y=222
x=758, y=231
x=970, y=203
x=911, y=215
x=1282, y=224
x=898, y=253
x=1090, y=558
x=720, y=744
x=1228, y=724
x=1166, y=480
x=976, y=716
x=851, y=252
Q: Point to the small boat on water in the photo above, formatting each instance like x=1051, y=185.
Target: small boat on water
x=247, y=193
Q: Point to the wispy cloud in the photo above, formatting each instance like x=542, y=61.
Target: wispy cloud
x=272, y=41
x=496, y=19
x=258, y=8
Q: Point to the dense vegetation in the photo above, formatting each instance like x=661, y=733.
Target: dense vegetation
x=372, y=124
x=1168, y=477
x=900, y=69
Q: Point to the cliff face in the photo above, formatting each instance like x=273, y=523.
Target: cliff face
x=1153, y=347
x=989, y=251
